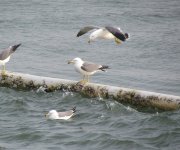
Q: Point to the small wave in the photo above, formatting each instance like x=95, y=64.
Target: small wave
x=2, y=147
x=116, y=106
x=67, y=93
x=41, y=89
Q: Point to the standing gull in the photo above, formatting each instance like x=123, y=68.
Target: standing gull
x=53, y=114
x=6, y=54
x=107, y=32
x=86, y=68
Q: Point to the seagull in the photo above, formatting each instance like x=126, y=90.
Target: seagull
x=107, y=32
x=53, y=114
x=6, y=54
x=86, y=68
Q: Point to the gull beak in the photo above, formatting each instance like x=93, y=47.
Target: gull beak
x=70, y=62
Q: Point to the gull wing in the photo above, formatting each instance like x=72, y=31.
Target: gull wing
x=90, y=67
x=4, y=54
x=7, y=52
x=67, y=113
x=86, y=29
x=13, y=48
x=116, y=32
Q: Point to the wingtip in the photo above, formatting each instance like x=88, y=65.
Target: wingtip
x=78, y=35
x=104, y=67
x=19, y=44
x=14, y=47
x=74, y=109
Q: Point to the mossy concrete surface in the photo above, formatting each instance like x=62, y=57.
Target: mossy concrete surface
x=122, y=95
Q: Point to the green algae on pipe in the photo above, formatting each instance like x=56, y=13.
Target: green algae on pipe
x=122, y=95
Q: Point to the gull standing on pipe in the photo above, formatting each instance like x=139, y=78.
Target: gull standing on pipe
x=86, y=68
x=6, y=54
x=107, y=32
x=65, y=115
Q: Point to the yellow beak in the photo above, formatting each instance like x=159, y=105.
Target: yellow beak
x=70, y=62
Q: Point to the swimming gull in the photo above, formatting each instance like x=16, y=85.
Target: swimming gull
x=107, y=32
x=53, y=114
x=6, y=54
x=86, y=68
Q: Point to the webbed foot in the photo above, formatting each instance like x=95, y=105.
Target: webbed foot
x=82, y=82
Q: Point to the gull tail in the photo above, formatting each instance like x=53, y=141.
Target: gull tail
x=103, y=68
x=14, y=47
x=74, y=109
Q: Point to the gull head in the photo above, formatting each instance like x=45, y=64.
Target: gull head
x=76, y=60
x=126, y=35
x=53, y=114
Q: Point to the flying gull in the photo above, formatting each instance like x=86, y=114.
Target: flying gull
x=53, y=114
x=107, y=32
x=86, y=68
x=6, y=54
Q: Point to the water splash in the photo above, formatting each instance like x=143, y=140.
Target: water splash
x=67, y=93
x=41, y=89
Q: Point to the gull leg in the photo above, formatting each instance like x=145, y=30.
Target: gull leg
x=88, y=77
x=83, y=81
x=117, y=41
x=3, y=69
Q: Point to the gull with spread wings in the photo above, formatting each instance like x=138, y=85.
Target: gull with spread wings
x=107, y=32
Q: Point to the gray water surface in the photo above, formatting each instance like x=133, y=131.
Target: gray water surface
x=149, y=60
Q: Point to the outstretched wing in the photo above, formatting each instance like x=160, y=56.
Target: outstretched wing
x=86, y=29
x=116, y=32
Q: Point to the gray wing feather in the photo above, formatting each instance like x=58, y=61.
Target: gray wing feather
x=7, y=52
x=90, y=67
x=116, y=32
x=4, y=54
x=65, y=113
x=86, y=29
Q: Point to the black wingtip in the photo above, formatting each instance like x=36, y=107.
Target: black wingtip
x=79, y=34
x=74, y=109
x=14, y=47
x=19, y=44
x=103, y=68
